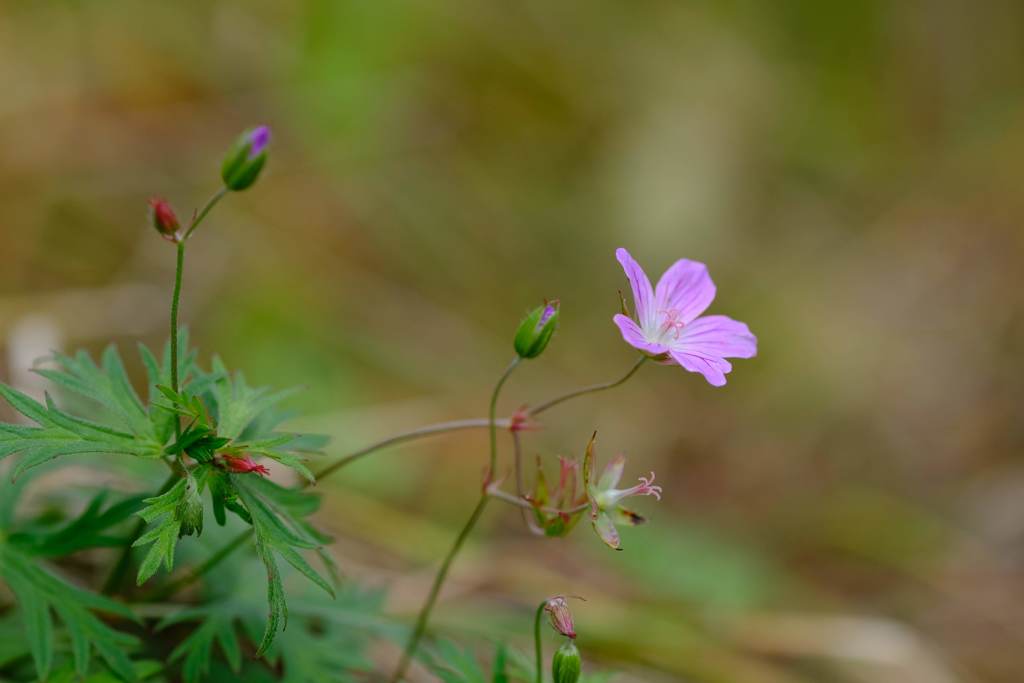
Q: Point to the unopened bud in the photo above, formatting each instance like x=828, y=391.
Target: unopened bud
x=535, y=331
x=163, y=218
x=560, y=616
x=245, y=159
x=566, y=664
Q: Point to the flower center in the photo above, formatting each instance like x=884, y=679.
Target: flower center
x=671, y=323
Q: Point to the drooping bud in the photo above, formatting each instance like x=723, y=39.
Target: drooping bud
x=244, y=465
x=566, y=664
x=163, y=218
x=190, y=510
x=245, y=159
x=560, y=616
x=535, y=331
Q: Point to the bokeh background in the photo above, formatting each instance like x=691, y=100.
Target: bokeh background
x=849, y=508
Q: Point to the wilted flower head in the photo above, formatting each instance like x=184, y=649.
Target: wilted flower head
x=163, y=218
x=668, y=323
x=560, y=616
x=244, y=465
x=604, y=497
x=557, y=510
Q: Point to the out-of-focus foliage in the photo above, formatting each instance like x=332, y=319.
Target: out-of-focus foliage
x=849, y=507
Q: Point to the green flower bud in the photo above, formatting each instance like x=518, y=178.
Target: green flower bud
x=535, y=331
x=566, y=665
x=245, y=159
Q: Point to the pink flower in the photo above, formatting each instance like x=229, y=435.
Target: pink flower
x=669, y=324
x=604, y=497
x=244, y=465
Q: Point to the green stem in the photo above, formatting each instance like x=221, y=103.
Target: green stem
x=177, y=470
x=442, y=574
x=537, y=647
x=435, y=590
x=418, y=433
x=593, y=388
x=492, y=425
x=201, y=214
x=175, y=302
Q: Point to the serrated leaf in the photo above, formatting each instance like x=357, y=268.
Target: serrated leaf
x=172, y=515
x=40, y=594
x=85, y=531
x=276, y=514
x=217, y=627
x=60, y=434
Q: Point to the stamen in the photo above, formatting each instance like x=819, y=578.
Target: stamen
x=672, y=321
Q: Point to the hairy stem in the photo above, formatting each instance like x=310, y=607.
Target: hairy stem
x=593, y=388
x=175, y=301
x=418, y=433
x=537, y=647
x=435, y=589
x=177, y=467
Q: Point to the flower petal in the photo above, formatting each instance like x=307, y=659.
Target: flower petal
x=634, y=336
x=643, y=294
x=717, y=336
x=612, y=473
x=713, y=369
x=686, y=288
x=605, y=528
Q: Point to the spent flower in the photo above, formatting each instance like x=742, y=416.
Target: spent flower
x=669, y=325
x=557, y=609
x=605, y=497
x=557, y=510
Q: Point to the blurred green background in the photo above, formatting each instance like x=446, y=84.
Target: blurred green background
x=849, y=508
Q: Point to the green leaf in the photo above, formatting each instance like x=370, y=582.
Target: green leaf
x=60, y=434
x=40, y=594
x=85, y=531
x=217, y=627
x=277, y=519
x=177, y=513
